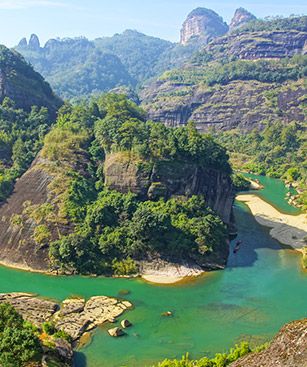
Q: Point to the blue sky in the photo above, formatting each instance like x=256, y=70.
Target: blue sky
x=95, y=18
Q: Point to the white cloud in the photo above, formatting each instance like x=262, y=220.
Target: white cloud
x=24, y=4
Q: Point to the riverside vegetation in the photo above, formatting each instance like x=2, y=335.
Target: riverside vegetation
x=112, y=228
x=92, y=229
x=23, y=344
x=278, y=151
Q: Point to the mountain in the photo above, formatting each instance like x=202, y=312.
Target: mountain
x=24, y=86
x=138, y=52
x=243, y=79
x=240, y=18
x=128, y=59
x=202, y=25
x=92, y=194
x=75, y=67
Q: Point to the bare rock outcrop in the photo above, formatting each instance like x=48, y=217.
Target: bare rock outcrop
x=166, y=179
x=240, y=18
x=288, y=349
x=202, y=25
x=74, y=316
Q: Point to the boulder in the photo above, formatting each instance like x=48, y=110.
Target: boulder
x=115, y=332
x=125, y=323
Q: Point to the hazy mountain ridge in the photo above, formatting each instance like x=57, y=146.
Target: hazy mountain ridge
x=127, y=59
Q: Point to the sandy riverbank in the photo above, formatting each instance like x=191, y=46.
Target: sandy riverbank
x=167, y=273
x=287, y=229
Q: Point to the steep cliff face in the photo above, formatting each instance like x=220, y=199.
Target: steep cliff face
x=202, y=25
x=23, y=85
x=169, y=178
x=288, y=349
x=17, y=246
x=259, y=80
x=240, y=18
x=243, y=104
x=259, y=45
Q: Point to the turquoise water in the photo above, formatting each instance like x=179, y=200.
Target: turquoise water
x=262, y=288
x=275, y=191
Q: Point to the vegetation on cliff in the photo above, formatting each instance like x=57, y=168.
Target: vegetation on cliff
x=24, y=344
x=23, y=85
x=19, y=342
x=21, y=137
x=95, y=230
x=293, y=22
x=220, y=359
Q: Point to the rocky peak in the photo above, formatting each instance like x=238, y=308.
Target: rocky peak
x=202, y=24
x=23, y=43
x=34, y=43
x=241, y=17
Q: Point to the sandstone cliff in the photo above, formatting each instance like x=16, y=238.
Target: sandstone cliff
x=242, y=104
x=202, y=25
x=169, y=178
x=288, y=349
x=259, y=45
x=17, y=245
x=260, y=79
x=240, y=18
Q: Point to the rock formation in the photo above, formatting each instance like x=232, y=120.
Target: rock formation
x=240, y=18
x=165, y=179
x=287, y=349
x=115, y=332
x=17, y=245
x=74, y=316
x=34, y=43
x=238, y=104
x=23, y=43
x=259, y=45
x=202, y=25
x=244, y=102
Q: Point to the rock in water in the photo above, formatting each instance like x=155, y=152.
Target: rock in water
x=240, y=18
x=202, y=25
x=115, y=332
x=125, y=323
x=75, y=317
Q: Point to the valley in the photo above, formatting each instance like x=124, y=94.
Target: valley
x=165, y=180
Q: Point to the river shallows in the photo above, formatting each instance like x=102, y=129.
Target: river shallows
x=262, y=288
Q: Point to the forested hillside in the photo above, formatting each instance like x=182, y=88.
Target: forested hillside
x=100, y=195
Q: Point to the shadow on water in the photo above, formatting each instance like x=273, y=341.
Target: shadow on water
x=79, y=359
x=253, y=237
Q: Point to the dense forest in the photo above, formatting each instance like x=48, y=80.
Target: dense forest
x=21, y=138
x=277, y=151
x=77, y=67
x=90, y=228
x=24, y=344
x=112, y=228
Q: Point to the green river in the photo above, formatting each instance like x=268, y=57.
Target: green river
x=262, y=288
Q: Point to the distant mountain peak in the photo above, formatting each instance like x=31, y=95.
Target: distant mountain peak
x=23, y=43
x=241, y=17
x=34, y=43
x=203, y=24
